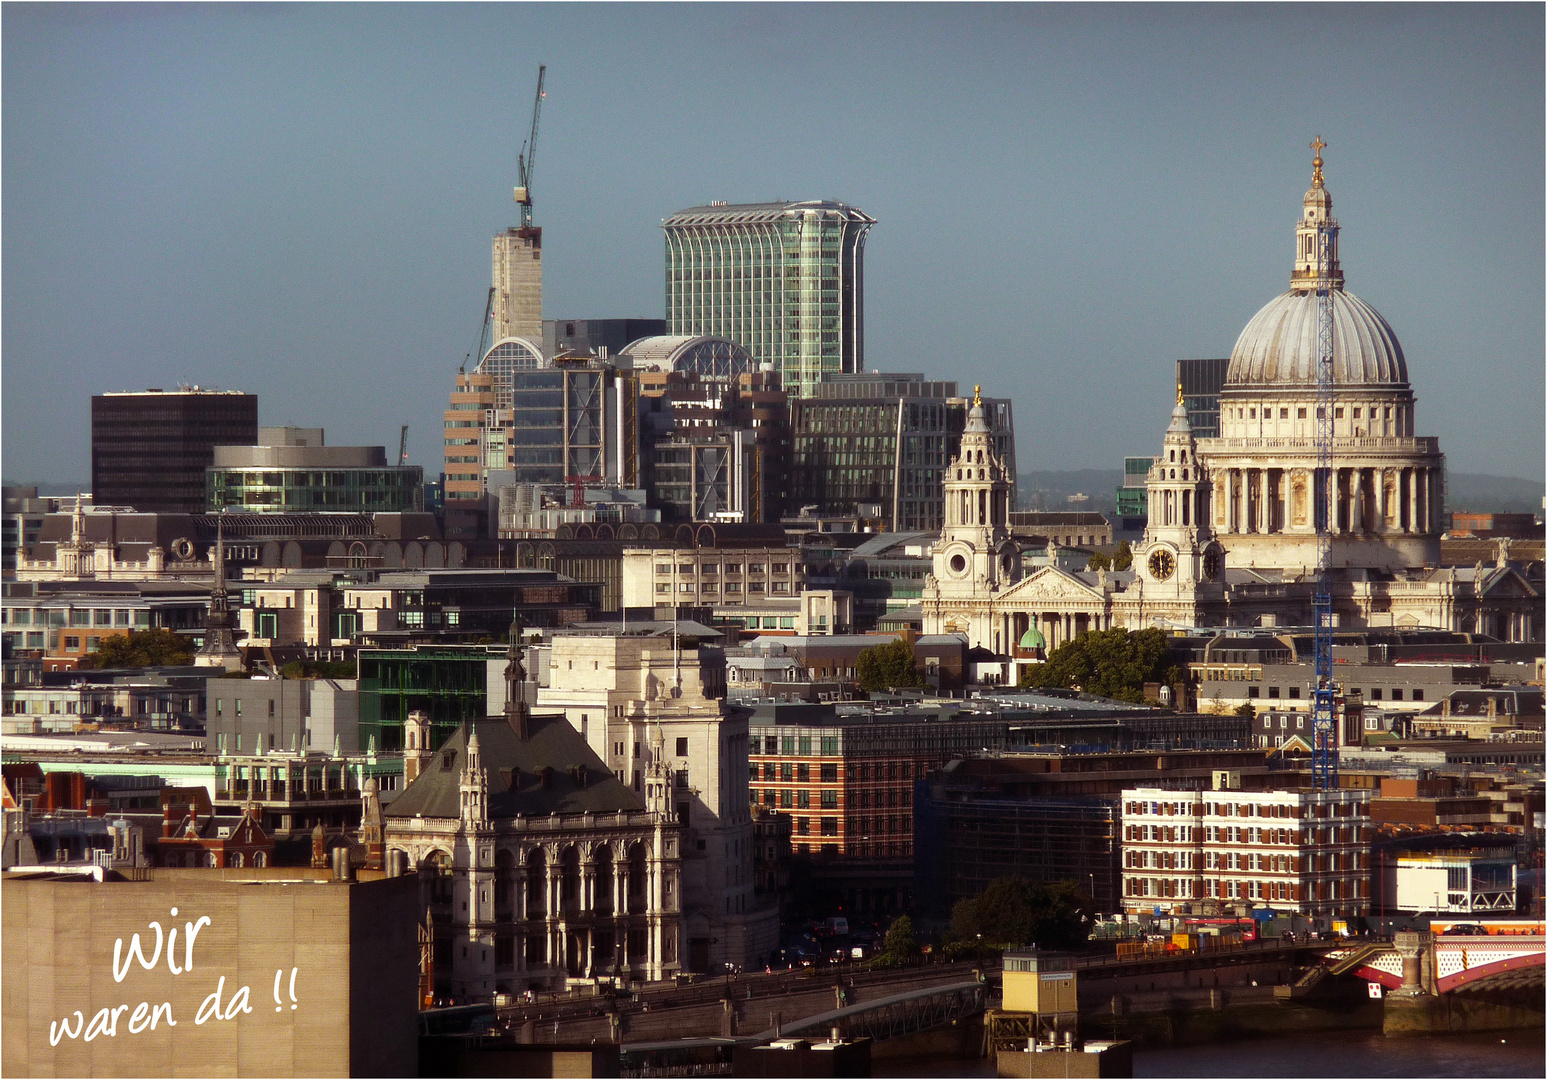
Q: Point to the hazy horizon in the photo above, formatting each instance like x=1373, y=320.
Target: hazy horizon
x=298, y=200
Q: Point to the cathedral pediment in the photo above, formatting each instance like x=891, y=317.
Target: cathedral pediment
x=1051, y=583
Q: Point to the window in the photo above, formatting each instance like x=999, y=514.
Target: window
x=682, y=748
x=803, y=826
x=829, y=826
x=663, y=587
x=72, y=642
x=1417, y=694
x=829, y=772
x=803, y=773
x=786, y=772
x=804, y=800
x=829, y=800
x=1396, y=693
x=830, y=746
x=1375, y=693
x=805, y=746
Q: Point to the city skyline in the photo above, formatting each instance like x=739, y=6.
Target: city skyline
x=1068, y=199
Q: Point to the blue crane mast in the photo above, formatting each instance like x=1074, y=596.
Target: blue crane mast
x=1324, y=705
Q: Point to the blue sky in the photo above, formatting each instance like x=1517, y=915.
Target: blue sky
x=298, y=200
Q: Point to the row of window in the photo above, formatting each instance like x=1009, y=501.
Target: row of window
x=712, y=569
x=22, y=616
x=732, y=588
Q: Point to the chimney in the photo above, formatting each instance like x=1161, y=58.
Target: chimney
x=343, y=869
x=166, y=821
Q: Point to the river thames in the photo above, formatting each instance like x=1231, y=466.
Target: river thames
x=1316, y=1054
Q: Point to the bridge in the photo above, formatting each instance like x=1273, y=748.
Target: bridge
x=1439, y=965
x=884, y=1018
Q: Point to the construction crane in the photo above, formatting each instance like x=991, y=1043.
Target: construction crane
x=1324, y=705
x=483, y=334
x=402, y=447
x=526, y=160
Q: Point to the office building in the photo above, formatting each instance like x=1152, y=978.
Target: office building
x=1200, y=383
x=1301, y=851
x=783, y=279
x=877, y=445
x=351, y=945
x=1133, y=495
x=291, y=470
x=149, y=449
x=598, y=337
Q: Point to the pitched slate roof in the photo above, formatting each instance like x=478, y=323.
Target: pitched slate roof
x=515, y=769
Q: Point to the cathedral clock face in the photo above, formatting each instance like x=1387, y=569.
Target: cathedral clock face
x=1162, y=565
x=1213, y=563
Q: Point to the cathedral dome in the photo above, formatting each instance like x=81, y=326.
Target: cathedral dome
x=1279, y=347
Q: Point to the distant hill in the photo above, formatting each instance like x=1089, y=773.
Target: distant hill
x=1051, y=490
x=1484, y=493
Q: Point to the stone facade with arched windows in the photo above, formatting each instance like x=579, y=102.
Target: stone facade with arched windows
x=539, y=868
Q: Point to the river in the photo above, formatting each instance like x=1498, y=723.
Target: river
x=1316, y=1054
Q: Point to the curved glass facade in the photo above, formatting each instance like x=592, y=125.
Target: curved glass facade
x=785, y=280
x=286, y=490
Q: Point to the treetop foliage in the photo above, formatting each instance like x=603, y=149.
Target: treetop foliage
x=140, y=648
x=1109, y=663
x=889, y=667
x=1013, y=912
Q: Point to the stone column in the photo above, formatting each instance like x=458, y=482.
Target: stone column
x=1411, y=946
x=1380, y=501
x=1356, y=500
x=1411, y=517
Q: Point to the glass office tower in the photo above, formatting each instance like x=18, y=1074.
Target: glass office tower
x=785, y=280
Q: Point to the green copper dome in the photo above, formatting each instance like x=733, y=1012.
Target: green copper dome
x=1033, y=639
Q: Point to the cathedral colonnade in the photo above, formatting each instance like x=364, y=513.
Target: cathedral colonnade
x=1390, y=500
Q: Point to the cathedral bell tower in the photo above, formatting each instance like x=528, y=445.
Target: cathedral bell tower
x=1178, y=552
x=976, y=555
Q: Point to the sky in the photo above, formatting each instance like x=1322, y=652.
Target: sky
x=298, y=201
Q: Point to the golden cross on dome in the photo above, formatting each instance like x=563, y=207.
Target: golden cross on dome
x=1317, y=146
x=1179, y=391
x=977, y=395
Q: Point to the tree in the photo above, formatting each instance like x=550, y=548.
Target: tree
x=1098, y=561
x=1013, y=911
x=319, y=669
x=1122, y=558
x=900, y=942
x=140, y=648
x=1246, y=709
x=889, y=667
x=1109, y=663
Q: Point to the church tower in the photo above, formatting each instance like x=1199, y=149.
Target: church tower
x=1177, y=552
x=975, y=557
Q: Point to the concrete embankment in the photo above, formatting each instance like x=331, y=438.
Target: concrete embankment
x=1182, y=1018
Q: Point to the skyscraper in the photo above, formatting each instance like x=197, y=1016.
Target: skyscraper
x=149, y=450
x=785, y=280
x=516, y=310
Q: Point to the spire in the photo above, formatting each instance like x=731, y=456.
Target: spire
x=517, y=715
x=1317, y=145
x=219, y=648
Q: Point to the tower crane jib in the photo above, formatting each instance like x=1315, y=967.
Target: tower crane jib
x=526, y=160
